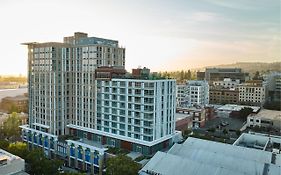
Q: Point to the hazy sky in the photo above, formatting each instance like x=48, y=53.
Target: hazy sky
x=159, y=34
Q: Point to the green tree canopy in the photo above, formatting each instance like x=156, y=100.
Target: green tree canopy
x=40, y=164
x=11, y=128
x=122, y=164
x=4, y=144
x=13, y=108
x=19, y=149
x=188, y=76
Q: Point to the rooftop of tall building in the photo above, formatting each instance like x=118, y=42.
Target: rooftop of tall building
x=234, y=70
x=107, y=73
x=253, y=83
x=79, y=38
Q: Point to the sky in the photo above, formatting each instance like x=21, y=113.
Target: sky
x=163, y=35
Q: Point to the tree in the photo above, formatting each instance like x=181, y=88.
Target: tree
x=4, y=144
x=19, y=149
x=257, y=76
x=211, y=130
x=189, y=75
x=11, y=128
x=122, y=164
x=13, y=108
x=244, y=112
x=238, y=132
x=181, y=76
x=39, y=164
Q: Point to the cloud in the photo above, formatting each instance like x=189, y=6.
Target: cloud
x=205, y=16
x=232, y=4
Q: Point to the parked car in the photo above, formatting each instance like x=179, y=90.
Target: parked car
x=224, y=123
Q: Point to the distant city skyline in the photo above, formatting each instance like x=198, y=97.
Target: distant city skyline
x=161, y=35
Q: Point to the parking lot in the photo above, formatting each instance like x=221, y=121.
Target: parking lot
x=231, y=123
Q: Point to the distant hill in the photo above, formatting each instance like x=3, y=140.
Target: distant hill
x=252, y=67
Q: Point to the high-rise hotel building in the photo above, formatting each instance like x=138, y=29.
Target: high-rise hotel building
x=81, y=100
x=61, y=79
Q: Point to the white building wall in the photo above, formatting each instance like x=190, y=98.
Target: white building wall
x=252, y=94
x=147, y=112
x=198, y=93
x=182, y=97
x=61, y=79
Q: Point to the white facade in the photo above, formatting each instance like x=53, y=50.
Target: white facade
x=252, y=93
x=197, y=92
x=253, y=120
x=265, y=118
x=67, y=100
x=141, y=110
x=181, y=95
x=62, y=80
x=227, y=83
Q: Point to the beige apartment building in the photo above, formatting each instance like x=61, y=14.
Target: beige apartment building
x=252, y=92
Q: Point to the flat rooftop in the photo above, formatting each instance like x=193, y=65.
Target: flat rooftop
x=10, y=164
x=224, y=69
x=233, y=107
x=200, y=157
x=98, y=41
x=268, y=143
x=8, y=156
x=180, y=116
x=268, y=114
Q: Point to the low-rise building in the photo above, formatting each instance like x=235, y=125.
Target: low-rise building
x=232, y=110
x=18, y=103
x=266, y=143
x=265, y=118
x=198, y=115
x=252, y=92
x=223, y=96
x=250, y=154
x=183, y=121
x=11, y=164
